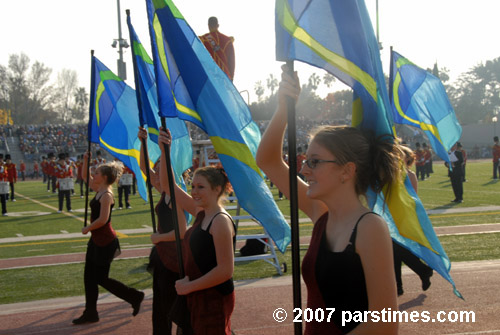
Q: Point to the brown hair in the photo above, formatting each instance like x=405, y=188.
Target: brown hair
x=112, y=171
x=377, y=160
x=216, y=176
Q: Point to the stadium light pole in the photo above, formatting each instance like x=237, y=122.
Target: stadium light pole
x=121, y=43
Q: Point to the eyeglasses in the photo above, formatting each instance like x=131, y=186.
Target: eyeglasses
x=312, y=163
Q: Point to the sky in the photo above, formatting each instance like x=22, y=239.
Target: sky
x=458, y=34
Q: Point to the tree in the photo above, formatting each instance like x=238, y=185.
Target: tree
x=477, y=93
x=67, y=82
x=26, y=91
x=272, y=83
x=259, y=90
x=79, y=110
x=328, y=79
x=313, y=82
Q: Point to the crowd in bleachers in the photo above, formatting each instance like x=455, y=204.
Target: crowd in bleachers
x=35, y=141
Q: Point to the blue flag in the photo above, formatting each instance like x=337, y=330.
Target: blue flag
x=338, y=36
x=419, y=99
x=202, y=93
x=181, y=150
x=114, y=121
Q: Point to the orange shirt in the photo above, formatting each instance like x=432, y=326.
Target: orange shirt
x=496, y=152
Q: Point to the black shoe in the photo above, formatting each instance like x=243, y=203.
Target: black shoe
x=455, y=200
x=400, y=291
x=137, y=304
x=86, y=318
x=426, y=280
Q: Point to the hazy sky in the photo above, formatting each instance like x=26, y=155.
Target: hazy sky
x=458, y=34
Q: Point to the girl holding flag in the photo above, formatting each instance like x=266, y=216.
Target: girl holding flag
x=103, y=245
x=165, y=265
x=349, y=263
x=208, y=250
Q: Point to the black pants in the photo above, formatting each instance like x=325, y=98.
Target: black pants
x=125, y=189
x=65, y=194
x=97, y=264
x=11, y=191
x=457, y=181
x=496, y=169
x=3, y=199
x=421, y=172
x=81, y=186
x=164, y=295
x=54, y=183
x=401, y=254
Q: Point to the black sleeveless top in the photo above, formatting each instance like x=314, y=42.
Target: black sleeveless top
x=202, y=247
x=104, y=235
x=341, y=279
x=164, y=213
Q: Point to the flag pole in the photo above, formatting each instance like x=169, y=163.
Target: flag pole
x=141, y=121
x=294, y=208
x=175, y=219
x=92, y=82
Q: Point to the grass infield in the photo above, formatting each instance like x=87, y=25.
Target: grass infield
x=35, y=214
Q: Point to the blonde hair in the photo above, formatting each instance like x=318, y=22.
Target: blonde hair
x=112, y=171
x=409, y=155
x=377, y=160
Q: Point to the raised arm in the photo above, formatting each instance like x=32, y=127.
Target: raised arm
x=269, y=155
x=85, y=169
x=183, y=200
x=154, y=177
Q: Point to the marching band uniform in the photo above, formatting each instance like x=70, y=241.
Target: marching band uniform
x=124, y=189
x=3, y=177
x=11, y=176
x=61, y=171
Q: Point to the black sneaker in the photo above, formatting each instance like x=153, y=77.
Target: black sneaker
x=86, y=318
x=137, y=304
x=426, y=280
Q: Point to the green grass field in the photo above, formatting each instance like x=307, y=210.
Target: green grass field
x=34, y=213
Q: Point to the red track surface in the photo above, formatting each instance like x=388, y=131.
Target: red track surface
x=256, y=301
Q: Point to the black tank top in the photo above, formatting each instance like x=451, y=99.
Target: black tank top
x=341, y=279
x=203, y=251
x=164, y=213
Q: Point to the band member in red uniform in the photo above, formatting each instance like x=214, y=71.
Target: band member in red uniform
x=208, y=250
x=496, y=157
x=3, y=178
x=98, y=160
x=22, y=170
x=44, y=164
x=52, y=180
x=220, y=47
x=124, y=189
x=427, y=160
x=420, y=161
x=79, y=178
x=103, y=245
x=11, y=175
x=36, y=170
x=72, y=168
x=62, y=171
